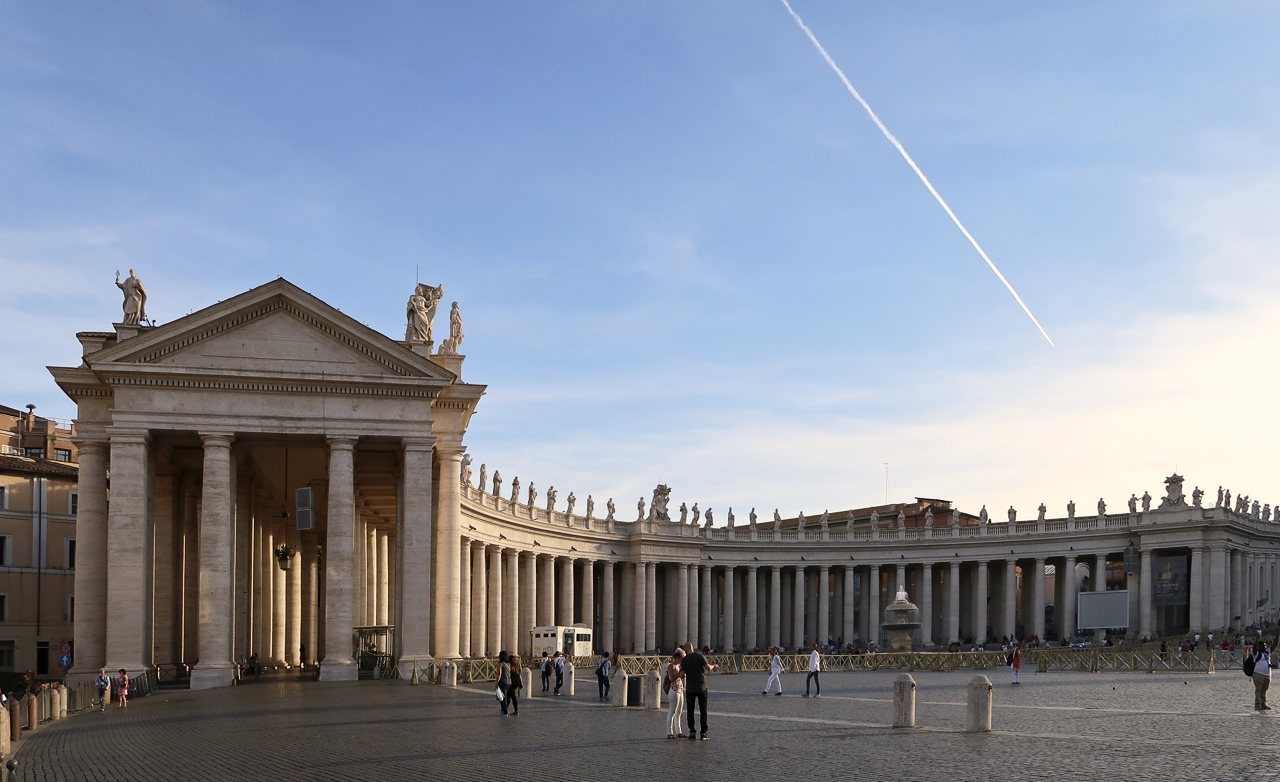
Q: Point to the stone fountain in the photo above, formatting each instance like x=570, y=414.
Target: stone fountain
x=901, y=617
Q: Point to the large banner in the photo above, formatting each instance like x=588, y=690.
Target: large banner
x=1103, y=610
x=1172, y=587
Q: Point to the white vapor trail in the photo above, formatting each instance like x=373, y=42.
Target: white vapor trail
x=914, y=167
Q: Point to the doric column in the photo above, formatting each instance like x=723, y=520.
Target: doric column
x=546, y=591
x=694, y=622
x=682, y=605
x=243, y=543
x=191, y=571
x=846, y=626
x=371, y=577
x=1145, y=596
x=339, y=563
x=953, y=603
x=217, y=574
x=705, y=622
x=1037, y=605
x=1067, y=619
x=415, y=613
x=90, y=625
x=1197, y=591
x=129, y=554
x=479, y=603
x=638, y=571
x=589, y=596
x=382, y=604
x=564, y=612
x=864, y=608
x=528, y=599
x=1215, y=589
x=775, y=606
x=873, y=605
x=359, y=571
x=293, y=608
x=511, y=602
x=267, y=571
x=926, y=604
x=494, y=642
x=1236, y=616
x=900, y=579
x=980, y=604
x=730, y=628
x=1099, y=579
x=309, y=595
x=608, y=633
x=279, y=603
x=255, y=564
x=651, y=605
x=824, y=605
x=797, y=608
x=752, y=640
x=464, y=598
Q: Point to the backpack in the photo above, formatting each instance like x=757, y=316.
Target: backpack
x=666, y=684
x=1248, y=665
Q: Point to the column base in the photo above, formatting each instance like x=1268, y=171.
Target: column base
x=338, y=671
x=405, y=666
x=207, y=677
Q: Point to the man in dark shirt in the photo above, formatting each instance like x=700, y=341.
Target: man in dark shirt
x=695, y=667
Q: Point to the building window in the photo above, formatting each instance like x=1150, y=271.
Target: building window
x=4, y=497
x=42, y=658
x=6, y=552
x=6, y=655
x=4, y=611
x=69, y=553
x=73, y=503
x=71, y=608
x=35, y=453
x=62, y=454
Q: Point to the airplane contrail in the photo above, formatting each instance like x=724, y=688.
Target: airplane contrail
x=914, y=167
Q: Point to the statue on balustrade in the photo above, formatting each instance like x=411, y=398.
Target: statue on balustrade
x=1071, y=509
x=465, y=472
x=135, y=299
x=658, y=508
x=497, y=483
x=484, y=479
x=515, y=490
x=800, y=521
x=822, y=522
x=533, y=495
x=1218, y=504
x=1197, y=497
x=1146, y=501
x=450, y=346
x=551, y=500
x=1226, y=499
x=729, y=519
x=1102, y=508
x=1256, y=511
x=697, y=514
x=421, y=312
x=571, y=500
x=610, y=506
x=752, y=517
x=708, y=515
x=928, y=516
x=848, y=521
x=875, y=519
x=983, y=517
x=640, y=507
x=777, y=519
x=684, y=513
x=1013, y=514
x=591, y=507
x=902, y=520
x=1041, y=511
x=1133, y=503
x=955, y=516
x=1266, y=512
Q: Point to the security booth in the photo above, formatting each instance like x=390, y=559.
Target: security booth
x=574, y=641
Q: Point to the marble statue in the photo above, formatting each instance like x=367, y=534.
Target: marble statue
x=1102, y=508
x=697, y=514
x=983, y=516
x=421, y=312
x=777, y=519
x=610, y=506
x=1071, y=509
x=551, y=500
x=1173, y=497
x=822, y=522
x=684, y=513
x=1226, y=499
x=533, y=495
x=484, y=480
x=708, y=515
x=729, y=520
x=135, y=299
x=928, y=516
x=640, y=507
x=955, y=516
x=1218, y=504
x=1013, y=514
x=752, y=518
x=515, y=490
x=1266, y=512
x=1133, y=503
x=450, y=346
x=875, y=519
x=1256, y=511
x=902, y=520
x=901, y=596
x=658, y=507
x=572, y=500
x=1146, y=501
x=591, y=507
x=465, y=471
x=1040, y=512
x=1197, y=497
x=800, y=521
x=497, y=483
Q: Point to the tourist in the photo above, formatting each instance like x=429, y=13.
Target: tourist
x=1015, y=662
x=103, y=683
x=675, y=696
x=695, y=667
x=502, y=683
x=546, y=672
x=517, y=684
x=775, y=671
x=602, y=676
x=815, y=665
x=1261, y=676
x=122, y=689
x=558, y=662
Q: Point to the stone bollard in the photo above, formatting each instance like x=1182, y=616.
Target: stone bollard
x=618, y=690
x=55, y=704
x=449, y=674
x=526, y=681
x=15, y=720
x=33, y=712
x=5, y=744
x=904, y=701
x=65, y=696
x=977, y=717
x=568, y=675
x=652, y=690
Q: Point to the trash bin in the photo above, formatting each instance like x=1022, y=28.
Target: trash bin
x=635, y=690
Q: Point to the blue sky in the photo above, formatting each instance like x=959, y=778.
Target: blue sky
x=682, y=251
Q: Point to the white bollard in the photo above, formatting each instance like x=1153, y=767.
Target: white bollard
x=55, y=703
x=5, y=739
x=526, y=680
x=652, y=691
x=977, y=717
x=568, y=675
x=904, y=701
x=66, y=694
x=618, y=689
x=449, y=674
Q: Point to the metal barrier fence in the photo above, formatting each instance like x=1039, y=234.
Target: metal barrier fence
x=1149, y=660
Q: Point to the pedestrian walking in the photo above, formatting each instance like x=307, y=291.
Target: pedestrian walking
x=775, y=671
x=675, y=696
x=503, y=682
x=122, y=689
x=559, y=665
x=517, y=684
x=695, y=667
x=602, y=676
x=1015, y=662
x=1261, y=676
x=546, y=672
x=103, y=683
x=815, y=665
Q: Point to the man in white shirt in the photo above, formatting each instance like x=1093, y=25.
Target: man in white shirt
x=775, y=671
x=1261, y=676
x=815, y=665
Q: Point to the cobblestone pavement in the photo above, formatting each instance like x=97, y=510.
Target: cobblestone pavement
x=1063, y=726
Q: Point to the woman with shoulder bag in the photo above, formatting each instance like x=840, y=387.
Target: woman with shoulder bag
x=675, y=695
x=502, y=685
x=517, y=684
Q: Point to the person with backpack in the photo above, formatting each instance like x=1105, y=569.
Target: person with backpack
x=1015, y=662
x=103, y=683
x=559, y=665
x=546, y=672
x=673, y=688
x=602, y=676
x=775, y=671
x=1257, y=666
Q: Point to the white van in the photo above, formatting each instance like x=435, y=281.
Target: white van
x=574, y=641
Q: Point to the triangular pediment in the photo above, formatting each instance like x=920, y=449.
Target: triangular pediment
x=276, y=329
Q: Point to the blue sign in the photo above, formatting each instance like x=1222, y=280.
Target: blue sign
x=65, y=661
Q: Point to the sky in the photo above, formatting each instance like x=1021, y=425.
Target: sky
x=683, y=253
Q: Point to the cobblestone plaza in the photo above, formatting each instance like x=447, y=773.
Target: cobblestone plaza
x=1054, y=726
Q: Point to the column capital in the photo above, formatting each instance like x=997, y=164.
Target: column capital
x=341, y=443
x=95, y=445
x=124, y=435
x=417, y=443
x=217, y=439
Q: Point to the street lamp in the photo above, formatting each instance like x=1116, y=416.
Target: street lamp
x=285, y=555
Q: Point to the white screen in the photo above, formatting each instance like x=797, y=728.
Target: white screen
x=1103, y=609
